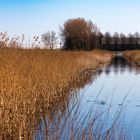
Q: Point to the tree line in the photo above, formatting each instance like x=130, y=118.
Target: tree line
x=120, y=42
x=76, y=34
x=80, y=34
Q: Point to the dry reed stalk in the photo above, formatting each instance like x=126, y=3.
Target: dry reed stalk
x=32, y=81
x=133, y=57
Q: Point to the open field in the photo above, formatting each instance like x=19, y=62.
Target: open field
x=133, y=57
x=32, y=81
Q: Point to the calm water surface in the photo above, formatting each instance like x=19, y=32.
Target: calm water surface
x=116, y=84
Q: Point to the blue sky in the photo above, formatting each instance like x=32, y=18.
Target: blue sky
x=34, y=17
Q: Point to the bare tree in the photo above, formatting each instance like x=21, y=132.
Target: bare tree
x=99, y=38
x=50, y=39
x=116, y=38
x=122, y=39
x=130, y=39
x=78, y=34
x=136, y=36
x=108, y=39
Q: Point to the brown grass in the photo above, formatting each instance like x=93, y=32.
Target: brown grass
x=32, y=81
x=133, y=57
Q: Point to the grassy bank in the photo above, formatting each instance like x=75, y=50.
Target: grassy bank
x=133, y=57
x=32, y=81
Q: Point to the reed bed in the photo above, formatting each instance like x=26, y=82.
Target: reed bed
x=98, y=122
x=32, y=81
x=133, y=57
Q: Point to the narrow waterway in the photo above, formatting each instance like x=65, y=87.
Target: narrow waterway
x=115, y=86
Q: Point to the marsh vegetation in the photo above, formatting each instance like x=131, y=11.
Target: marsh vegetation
x=133, y=57
x=33, y=81
x=39, y=84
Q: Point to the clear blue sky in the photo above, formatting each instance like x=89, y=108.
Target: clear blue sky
x=37, y=16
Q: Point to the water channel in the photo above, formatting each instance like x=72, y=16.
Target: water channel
x=111, y=88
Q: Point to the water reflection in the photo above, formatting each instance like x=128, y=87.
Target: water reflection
x=119, y=65
x=100, y=97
